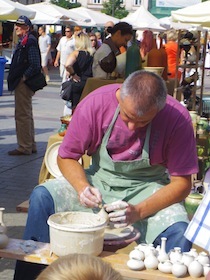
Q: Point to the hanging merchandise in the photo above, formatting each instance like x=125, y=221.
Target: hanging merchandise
x=133, y=57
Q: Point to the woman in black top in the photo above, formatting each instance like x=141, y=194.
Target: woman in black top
x=79, y=66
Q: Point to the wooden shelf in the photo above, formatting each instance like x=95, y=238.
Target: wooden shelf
x=198, y=65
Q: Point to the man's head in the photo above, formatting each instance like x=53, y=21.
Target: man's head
x=68, y=32
x=108, y=24
x=141, y=97
x=42, y=30
x=22, y=26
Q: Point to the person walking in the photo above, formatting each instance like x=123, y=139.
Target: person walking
x=26, y=62
x=45, y=47
x=65, y=46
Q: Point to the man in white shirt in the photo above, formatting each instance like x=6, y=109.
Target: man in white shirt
x=65, y=46
x=45, y=47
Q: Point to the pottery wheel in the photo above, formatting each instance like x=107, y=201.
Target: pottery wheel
x=117, y=233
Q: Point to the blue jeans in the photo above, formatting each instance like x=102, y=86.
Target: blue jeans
x=175, y=237
x=42, y=206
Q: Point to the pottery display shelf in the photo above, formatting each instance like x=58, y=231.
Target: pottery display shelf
x=38, y=252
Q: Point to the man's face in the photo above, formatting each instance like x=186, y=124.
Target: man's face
x=68, y=33
x=130, y=117
x=122, y=40
x=40, y=31
x=21, y=29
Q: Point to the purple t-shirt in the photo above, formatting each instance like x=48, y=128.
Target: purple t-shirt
x=172, y=142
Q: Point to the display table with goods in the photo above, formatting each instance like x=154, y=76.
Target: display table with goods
x=125, y=263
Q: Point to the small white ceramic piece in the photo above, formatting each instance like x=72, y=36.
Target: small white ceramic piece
x=136, y=255
x=142, y=247
x=179, y=269
x=163, y=256
x=206, y=269
x=193, y=252
x=175, y=254
x=165, y=267
x=4, y=240
x=135, y=264
x=195, y=269
x=203, y=258
x=3, y=227
x=187, y=258
x=151, y=261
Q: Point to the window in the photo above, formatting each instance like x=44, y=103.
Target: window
x=137, y=2
x=97, y=1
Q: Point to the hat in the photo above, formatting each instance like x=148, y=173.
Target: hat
x=24, y=21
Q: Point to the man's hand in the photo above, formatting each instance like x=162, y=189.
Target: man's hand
x=90, y=197
x=121, y=214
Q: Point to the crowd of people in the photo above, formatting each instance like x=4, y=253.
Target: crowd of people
x=135, y=133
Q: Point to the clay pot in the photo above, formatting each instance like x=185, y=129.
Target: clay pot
x=192, y=201
x=3, y=239
x=179, y=269
x=135, y=264
x=163, y=256
x=151, y=262
x=165, y=267
x=195, y=269
x=175, y=255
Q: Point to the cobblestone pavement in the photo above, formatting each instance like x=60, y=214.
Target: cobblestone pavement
x=19, y=175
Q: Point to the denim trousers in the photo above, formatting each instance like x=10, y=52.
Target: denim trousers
x=42, y=206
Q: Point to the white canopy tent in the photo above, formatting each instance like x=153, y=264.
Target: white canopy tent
x=10, y=10
x=195, y=14
x=94, y=18
x=142, y=19
x=55, y=11
x=168, y=24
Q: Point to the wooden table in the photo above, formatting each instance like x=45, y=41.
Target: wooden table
x=41, y=254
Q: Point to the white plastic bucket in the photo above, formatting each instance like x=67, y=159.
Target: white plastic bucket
x=76, y=232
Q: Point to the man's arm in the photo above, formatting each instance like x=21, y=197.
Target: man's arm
x=174, y=192
x=75, y=175
x=56, y=63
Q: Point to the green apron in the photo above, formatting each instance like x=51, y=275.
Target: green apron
x=131, y=181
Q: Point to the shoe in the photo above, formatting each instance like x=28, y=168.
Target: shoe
x=17, y=153
x=47, y=78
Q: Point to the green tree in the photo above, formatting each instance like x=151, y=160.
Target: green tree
x=65, y=4
x=114, y=8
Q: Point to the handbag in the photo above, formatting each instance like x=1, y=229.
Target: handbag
x=36, y=82
x=66, y=90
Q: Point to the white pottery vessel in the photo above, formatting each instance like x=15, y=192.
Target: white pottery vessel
x=163, y=256
x=148, y=250
x=179, y=269
x=3, y=227
x=175, y=254
x=151, y=261
x=165, y=267
x=187, y=258
x=4, y=240
x=136, y=255
x=203, y=258
x=195, y=269
x=193, y=252
x=135, y=264
x=142, y=247
x=206, y=269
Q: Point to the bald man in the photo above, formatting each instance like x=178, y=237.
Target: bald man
x=107, y=24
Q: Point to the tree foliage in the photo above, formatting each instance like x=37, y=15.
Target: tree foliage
x=65, y=4
x=114, y=8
